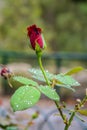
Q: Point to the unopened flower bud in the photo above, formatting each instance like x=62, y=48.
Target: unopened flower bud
x=36, y=37
x=78, y=100
x=5, y=72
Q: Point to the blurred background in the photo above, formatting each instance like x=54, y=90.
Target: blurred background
x=64, y=24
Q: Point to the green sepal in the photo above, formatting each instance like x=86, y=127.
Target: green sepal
x=45, y=45
x=38, y=50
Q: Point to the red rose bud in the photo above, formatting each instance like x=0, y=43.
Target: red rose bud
x=5, y=72
x=36, y=38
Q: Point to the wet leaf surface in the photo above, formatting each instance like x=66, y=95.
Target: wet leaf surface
x=25, y=81
x=66, y=79
x=24, y=97
x=49, y=92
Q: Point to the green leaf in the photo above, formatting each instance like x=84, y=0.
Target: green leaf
x=67, y=80
x=24, y=97
x=49, y=92
x=62, y=80
x=25, y=81
x=74, y=70
x=80, y=118
x=37, y=74
x=11, y=128
x=83, y=112
x=66, y=86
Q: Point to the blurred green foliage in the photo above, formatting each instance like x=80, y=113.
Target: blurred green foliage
x=64, y=23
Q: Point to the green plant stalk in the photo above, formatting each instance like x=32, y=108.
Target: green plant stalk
x=42, y=69
x=70, y=120
x=75, y=110
x=66, y=122
x=60, y=111
x=83, y=101
x=44, y=74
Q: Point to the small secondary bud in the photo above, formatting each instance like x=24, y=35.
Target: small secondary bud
x=5, y=72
